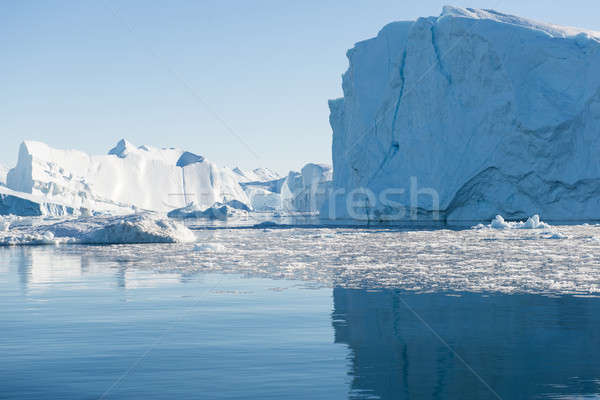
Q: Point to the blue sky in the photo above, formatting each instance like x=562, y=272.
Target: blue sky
x=241, y=82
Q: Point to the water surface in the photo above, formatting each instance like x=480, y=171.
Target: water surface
x=88, y=323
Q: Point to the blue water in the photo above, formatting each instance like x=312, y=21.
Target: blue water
x=79, y=327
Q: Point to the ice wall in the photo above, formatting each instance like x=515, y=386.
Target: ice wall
x=129, y=177
x=495, y=113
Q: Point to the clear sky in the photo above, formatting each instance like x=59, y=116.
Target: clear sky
x=241, y=82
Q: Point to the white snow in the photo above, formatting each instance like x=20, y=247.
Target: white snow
x=555, y=31
x=497, y=114
x=531, y=223
x=140, y=177
x=135, y=228
x=217, y=211
x=256, y=175
x=131, y=179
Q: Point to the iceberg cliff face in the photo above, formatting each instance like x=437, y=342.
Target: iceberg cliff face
x=128, y=178
x=18, y=203
x=481, y=112
x=306, y=191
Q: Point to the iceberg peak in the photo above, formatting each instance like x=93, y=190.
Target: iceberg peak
x=188, y=158
x=122, y=148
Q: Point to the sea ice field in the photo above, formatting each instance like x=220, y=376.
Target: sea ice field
x=502, y=257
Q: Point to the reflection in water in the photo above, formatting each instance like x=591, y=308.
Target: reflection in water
x=242, y=335
x=41, y=267
x=522, y=346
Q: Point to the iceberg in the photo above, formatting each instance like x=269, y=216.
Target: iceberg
x=217, y=211
x=128, y=178
x=129, y=229
x=256, y=175
x=500, y=223
x=3, y=173
x=302, y=192
x=473, y=113
x=306, y=191
x=22, y=204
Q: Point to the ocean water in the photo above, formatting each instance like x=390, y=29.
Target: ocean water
x=303, y=314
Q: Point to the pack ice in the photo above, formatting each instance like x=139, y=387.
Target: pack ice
x=497, y=114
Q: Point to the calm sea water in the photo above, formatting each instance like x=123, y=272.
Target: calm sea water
x=78, y=327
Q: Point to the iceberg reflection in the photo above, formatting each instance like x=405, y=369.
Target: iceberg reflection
x=522, y=346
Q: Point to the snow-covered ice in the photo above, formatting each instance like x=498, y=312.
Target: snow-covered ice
x=131, y=179
x=218, y=211
x=128, y=178
x=135, y=228
x=497, y=114
x=532, y=223
x=256, y=175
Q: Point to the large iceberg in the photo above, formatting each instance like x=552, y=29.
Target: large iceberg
x=473, y=113
x=128, y=178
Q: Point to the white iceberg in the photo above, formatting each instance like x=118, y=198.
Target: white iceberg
x=306, y=191
x=135, y=228
x=532, y=222
x=129, y=177
x=256, y=175
x=217, y=211
x=487, y=113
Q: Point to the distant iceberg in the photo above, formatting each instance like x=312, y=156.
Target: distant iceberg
x=132, y=179
x=128, y=178
x=487, y=113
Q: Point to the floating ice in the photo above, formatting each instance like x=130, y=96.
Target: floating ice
x=217, y=211
x=209, y=247
x=136, y=228
x=531, y=223
x=484, y=260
